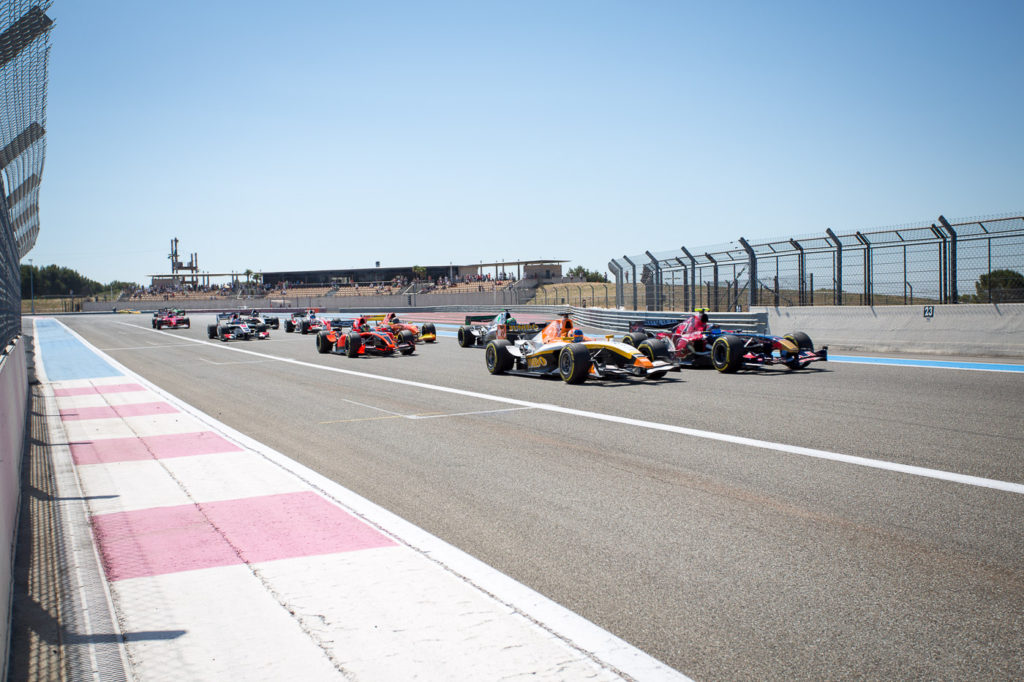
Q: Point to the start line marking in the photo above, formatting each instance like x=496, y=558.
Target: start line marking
x=976, y=481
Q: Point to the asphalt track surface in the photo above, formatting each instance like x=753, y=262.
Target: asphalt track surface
x=845, y=521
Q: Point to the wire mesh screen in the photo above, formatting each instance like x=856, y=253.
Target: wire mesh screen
x=24, y=55
x=970, y=261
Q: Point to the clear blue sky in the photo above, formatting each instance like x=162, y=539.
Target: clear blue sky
x=325, y=134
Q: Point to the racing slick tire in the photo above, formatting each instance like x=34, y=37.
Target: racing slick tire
x=211, y=331
x=497, y=357
x=574, y=363
x=405, y=337
x=727, y=353
x=654, y=349
x=803, y=342
x=634, y=339
x=289, y=326
x=188, y=324
x=353, y=342
x=275, y=323
x=304, y=327
x=466, y=336
x=428, y=328
x=324, y=343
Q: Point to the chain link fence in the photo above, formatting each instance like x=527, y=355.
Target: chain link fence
x=24, y=57
x=980, y=260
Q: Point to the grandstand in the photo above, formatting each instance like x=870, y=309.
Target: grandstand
x=186, y=283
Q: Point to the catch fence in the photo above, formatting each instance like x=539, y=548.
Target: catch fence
x=973, y=261
x=24, y=56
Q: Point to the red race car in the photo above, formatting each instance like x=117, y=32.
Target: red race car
x=693, y=341
x=359, y=339
x=390, y=322
x=174, y=319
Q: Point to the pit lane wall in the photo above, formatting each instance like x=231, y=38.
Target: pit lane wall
x=995, y=330
x=13, y=411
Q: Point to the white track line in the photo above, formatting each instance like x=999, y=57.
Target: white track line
x=682, y=430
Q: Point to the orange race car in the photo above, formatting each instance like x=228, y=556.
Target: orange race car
x=560, y=349
x=390, y=322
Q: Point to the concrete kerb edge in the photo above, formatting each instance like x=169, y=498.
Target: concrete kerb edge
x=86, y=593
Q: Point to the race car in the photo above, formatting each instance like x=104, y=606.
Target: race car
x=390, y=322
x=560, y=349
x=272, y=321
x=306, y=321
x=694, y=342
x=231, y=327
x=173, y=319
x=474, y=334
x=361, y=339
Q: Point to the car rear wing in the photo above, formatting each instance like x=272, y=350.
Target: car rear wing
x=470, y=319
x=517, y=331
x=667, y=323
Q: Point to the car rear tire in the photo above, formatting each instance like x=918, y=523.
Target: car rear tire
x=428, y=328
x=634, y=339
x=574, y=363
x=466, y=336
x=497, y=357
x=304, y=327
x=727, y=353
x=289, y=326
x=406, y=338
x=803, y=342
x=324, y=343
x=353, y=342
x=654, y=349
x=211, y=331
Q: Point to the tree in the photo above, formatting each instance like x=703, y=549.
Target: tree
x=587, y=275
x=53, y=280
x=420, y=271
x=1003, y=285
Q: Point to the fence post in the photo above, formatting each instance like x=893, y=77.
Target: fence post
x=658, y=295
x=617, y=271
x=714, y=293
x=801, y=273
x=692, y=303
x=868, y=279
x=838, y=287
x=753, y=270
x=954, y=294
x=943, y=283
x=626, y=258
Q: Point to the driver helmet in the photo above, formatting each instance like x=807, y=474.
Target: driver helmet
x=577, y=335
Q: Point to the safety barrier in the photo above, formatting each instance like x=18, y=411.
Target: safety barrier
x=14, y=399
